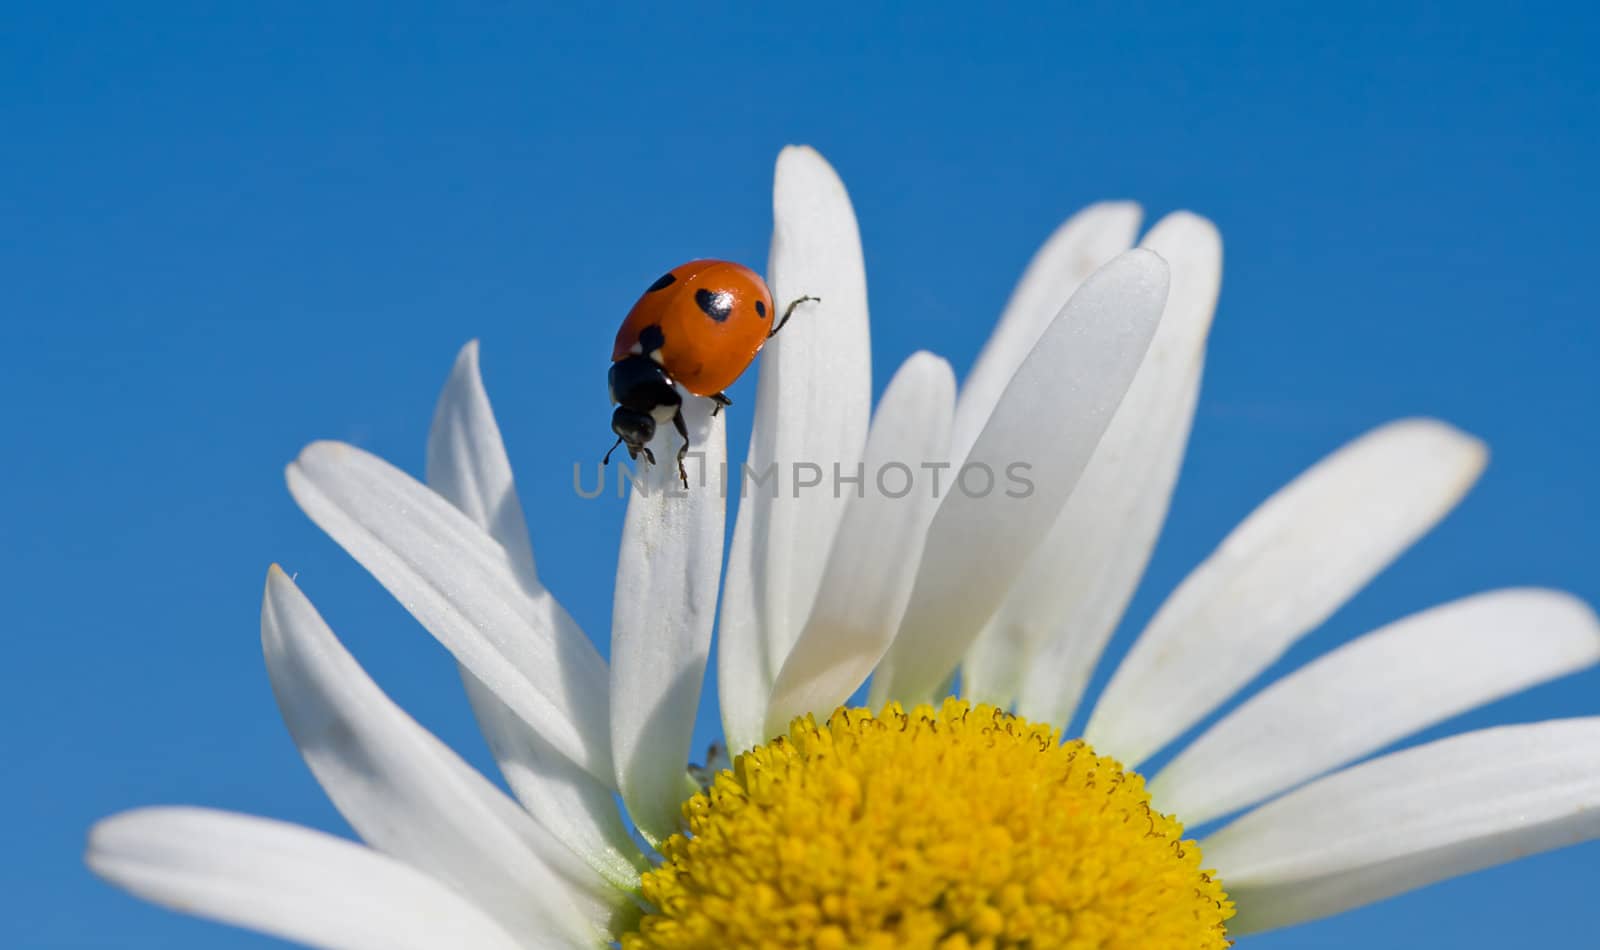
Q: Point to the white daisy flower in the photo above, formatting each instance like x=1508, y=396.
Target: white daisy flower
x=956, y=823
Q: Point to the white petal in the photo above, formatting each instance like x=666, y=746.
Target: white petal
x=1409, y=819
x=1278, y=575
x=875, y=553
x=1083, y=574
x=666, y=601
x=812, y=405
x=460, y=585
x=467, y=464
x=744, y=683
x=408, y=795
x=1377, y=689
x=1053, y=683
x=287, y=881
x=1046, y=427
x=1082, y=245
x=572, y=804
x=467, y=461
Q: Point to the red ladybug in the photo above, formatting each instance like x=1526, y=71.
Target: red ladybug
x=699, y=326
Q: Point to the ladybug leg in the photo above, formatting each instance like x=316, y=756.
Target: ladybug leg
x=788, y=311
x=722, y=402
x=683, y=450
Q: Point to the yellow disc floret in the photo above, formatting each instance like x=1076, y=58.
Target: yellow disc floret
x=959, y=828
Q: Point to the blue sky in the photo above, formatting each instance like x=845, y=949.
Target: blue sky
x=226, y=234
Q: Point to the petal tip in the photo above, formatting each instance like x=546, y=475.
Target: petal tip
x=1126, y=212
x=1194, y=234
x=321, y=449
x=113, y=833
x=1189, y=219
x=281, y=583
x=1577, y=613
x=278, y=583
x=323, y=455
x=94, y=838
x=791, y=154
x=802, y=171
x=1146, y=270
x=1474, y=452
x=929, y=361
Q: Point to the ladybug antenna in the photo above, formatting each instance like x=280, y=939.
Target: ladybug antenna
x=607, y=459
x=789, y=310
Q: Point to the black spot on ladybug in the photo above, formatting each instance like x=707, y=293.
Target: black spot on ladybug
x=718, y=306
x=665, y=280
x=651, y=338
x=761, y=310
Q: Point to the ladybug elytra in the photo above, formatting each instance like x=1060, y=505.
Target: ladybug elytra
x=699, y=326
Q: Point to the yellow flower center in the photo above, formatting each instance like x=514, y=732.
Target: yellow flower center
x=964, y=827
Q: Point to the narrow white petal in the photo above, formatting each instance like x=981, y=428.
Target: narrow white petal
x=1409, y=819
x=813, y=400
x=744, y=683
x=1278, y=575
x=408, y=795
x=467, y=461
x=1079, y=247
x=461, y=586
x=1053, y=684
x=467, y=464
x=1056, y=620
x=666, y=601
x=875, y=553
x=288, y=881
x=1034, y=447
x=572, y=804
x=1377, y=689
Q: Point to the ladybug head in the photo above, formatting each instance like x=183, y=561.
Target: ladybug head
x=635, y=430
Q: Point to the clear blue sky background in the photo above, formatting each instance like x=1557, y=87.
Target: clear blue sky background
x=223, y=235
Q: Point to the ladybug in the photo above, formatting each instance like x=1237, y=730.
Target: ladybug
x=699, y=326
